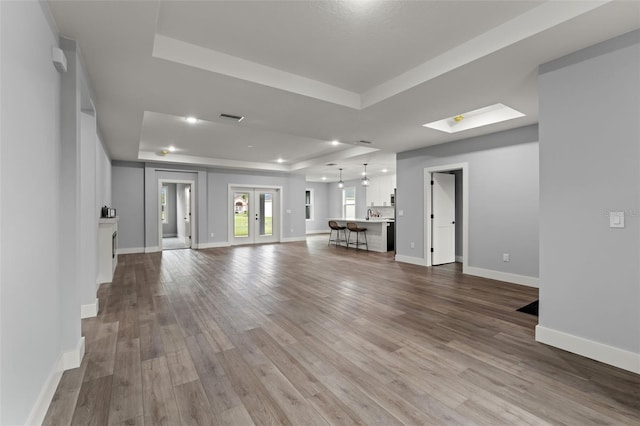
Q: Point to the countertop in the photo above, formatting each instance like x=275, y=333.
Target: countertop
x=361, y=219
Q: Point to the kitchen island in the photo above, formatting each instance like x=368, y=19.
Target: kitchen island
x=378, y=233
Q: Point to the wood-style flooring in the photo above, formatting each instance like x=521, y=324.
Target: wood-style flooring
x=305, y=334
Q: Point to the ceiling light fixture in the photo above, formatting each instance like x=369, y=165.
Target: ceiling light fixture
x=172, y=148
x=341, y=183
x=164, y=152
x=280, y=160
x=324, y=178
x=191, y=120
x=477, y=118
x=335, y=142
x=384, y=170
x=365, y=179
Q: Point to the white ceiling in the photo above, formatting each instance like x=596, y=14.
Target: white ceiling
x=304, y=73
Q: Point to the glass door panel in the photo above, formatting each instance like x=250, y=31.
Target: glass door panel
x=241, y=204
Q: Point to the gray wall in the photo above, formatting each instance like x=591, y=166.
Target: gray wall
x=135, y=195
x=503, y=198
x=589, y=165
x=127, y=186
x=320, y=207
x=170, y=229
x=103, y=176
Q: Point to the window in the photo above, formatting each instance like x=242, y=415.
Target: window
x=308, y=204
x=349, y=203
x=163, y=204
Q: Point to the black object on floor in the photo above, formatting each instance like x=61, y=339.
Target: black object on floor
x=531, y=308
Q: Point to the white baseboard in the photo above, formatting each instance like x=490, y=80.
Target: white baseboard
x=459, y=259
x=617, y=357
x=412, y=260
x=320, y=231
x=66, y=361
x=131, y=250
x=293, y=239
x=502, y=276
x=152, y=249
x=213, y=245
x=90, y=310
x=73, y=358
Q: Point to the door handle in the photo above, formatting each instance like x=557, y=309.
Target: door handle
x=453, y=223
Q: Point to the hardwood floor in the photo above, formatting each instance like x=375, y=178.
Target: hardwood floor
x=305, y=334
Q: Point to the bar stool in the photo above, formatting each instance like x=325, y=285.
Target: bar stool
x=333, y=225
x=353, y=227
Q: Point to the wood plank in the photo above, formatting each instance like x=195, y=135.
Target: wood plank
x=92, y=407
x=160, y=406
x=126, y=398
x=193, y=404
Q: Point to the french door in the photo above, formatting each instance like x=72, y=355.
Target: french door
x=255, y=215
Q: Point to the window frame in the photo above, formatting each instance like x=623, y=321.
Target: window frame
x=308, y=205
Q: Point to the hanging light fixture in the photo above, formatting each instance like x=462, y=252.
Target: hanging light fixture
x=341, y=183
x=365, y=179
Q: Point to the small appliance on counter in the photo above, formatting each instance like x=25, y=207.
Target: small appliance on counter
x=108, y=212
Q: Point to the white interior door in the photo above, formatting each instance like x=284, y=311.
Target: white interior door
x=255, y=215
x=443, y=219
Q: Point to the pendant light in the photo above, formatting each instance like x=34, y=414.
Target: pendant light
x=365, y=179
x=341, y=183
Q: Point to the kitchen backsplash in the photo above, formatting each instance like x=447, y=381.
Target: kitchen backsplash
x=383, y=211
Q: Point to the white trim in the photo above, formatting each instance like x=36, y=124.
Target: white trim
x=412, y=260
x=90, y=310
x=617, y=357
x=152, y=249
x=317, y=231
x=292, y=239
x=459, y=259
x=130, y=250
x=213, y=245
x=502, y=276
x=169, y=235
x=465, y=210
x=39, y=410
x=73, y=358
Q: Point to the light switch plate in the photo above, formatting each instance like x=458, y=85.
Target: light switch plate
x=616, y=219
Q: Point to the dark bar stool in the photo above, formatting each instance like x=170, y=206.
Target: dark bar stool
x=335, y=227
x=353, y=227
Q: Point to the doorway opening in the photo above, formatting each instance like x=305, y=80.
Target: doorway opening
x=446, y=213
x=176, y=214
x=254, y=215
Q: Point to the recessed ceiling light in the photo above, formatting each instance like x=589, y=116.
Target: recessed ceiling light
x=334, y=143
x=249, y=146
x=191, y=120
x=363, y=173
x=324, y=178
x=172, y=148
x=477, y=118
x=384, y=170
x=280, y=160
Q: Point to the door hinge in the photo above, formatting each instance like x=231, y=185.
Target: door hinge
x=431, y=182
x=431, y=249
x=431, y=216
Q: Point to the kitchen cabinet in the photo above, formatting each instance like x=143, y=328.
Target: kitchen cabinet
x=380, y=190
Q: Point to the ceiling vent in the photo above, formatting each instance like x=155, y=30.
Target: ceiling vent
x=331, y=164
x=364, y=142
x=237, y=118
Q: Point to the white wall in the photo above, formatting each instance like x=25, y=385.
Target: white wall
x=590, y=165
x=503, y=199
x=88, y=212
x=30, y=291
x=103, y=176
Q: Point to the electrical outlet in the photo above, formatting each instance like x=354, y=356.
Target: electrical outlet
x=292, y=230
x=505, y=257
x=213, y=235
x=413, y=245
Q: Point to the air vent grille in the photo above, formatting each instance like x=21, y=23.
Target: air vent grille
x=233, y=117
x=365, y=142
x=331, y=164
